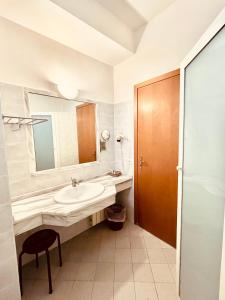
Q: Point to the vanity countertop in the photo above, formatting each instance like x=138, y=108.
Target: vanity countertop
x=43, y=208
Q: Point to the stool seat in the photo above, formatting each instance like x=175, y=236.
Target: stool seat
x=39, y=241
x=36, y=243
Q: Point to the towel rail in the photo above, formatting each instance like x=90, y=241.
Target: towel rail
x=20, y=121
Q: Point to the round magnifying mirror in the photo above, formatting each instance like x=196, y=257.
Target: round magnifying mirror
x=105, y=135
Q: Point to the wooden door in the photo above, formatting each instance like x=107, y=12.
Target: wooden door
x=156, y=155
x=86, y=132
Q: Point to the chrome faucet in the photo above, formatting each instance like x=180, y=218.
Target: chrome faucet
x=74, y=181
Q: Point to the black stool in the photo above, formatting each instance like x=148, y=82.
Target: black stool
x=38, y=242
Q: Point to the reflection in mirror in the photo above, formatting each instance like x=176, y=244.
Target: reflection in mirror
x=68, y=136
x=105, y=135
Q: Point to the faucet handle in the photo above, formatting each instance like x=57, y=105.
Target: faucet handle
x=74, y=181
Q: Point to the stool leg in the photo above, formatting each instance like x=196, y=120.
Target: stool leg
x=59, y=248
x=49, y=272
x=20, y=273
x=37, y=261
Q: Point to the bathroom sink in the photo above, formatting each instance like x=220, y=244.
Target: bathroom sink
x=81, y=193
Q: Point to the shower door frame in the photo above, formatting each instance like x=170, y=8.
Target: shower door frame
x=212, y=31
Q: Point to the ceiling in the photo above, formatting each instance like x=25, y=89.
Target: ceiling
x=107, y=30
x=125, y=13
x=148, y=9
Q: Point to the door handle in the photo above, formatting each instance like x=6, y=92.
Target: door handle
x=141, y=162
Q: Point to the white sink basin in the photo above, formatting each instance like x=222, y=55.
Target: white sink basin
x=81, y=193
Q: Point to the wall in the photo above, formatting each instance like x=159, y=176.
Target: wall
x=19, y=148
x=31, y=60
x=123, y=124
x=9, y=285
x=18, y=156
x=165, y=42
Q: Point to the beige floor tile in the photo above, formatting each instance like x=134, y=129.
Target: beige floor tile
x=82, y=290
x=142, y=273
x=105, y=272
x=65, y=244
x=152, y=242
x=86, y=271
x=93, y=242
x=123, y=256
x=31, y=272
x=123, y=232
x=100, y=256
x=38, y=291
x=68, y=271
x=145, y=291
x=90, y=255
x=161, y=273
x=123, y=272
x=139, y=256
x=73, y=255
x=166, y=291
x=172, y=268
x=137, y=242
x=170, y=255
x=135, y=230
x=97, y=230
x=108, y=242
x=164, y=245
x=109, y=234
x=156, y=256
x=54, y=254
x=122, y=242
x=27, y=289
x=78, y=242
x=107, y=255
x=102, y=291
x=124, y=291
x=61, y=290
x=147, y=233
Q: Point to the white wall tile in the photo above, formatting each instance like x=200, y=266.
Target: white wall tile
x=123, y=124
x=18, y=161
x=4, y=190
x=19, y=142
x=9, y=284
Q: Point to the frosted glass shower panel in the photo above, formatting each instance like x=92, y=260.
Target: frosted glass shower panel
x=203, y=173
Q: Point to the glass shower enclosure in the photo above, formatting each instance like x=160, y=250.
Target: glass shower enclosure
x=202, y=159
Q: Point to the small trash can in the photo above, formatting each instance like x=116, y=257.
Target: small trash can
x=116, y=216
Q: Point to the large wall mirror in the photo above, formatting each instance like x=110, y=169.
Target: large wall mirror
x=68, y=134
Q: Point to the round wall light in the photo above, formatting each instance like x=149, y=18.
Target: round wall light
x=67, y=91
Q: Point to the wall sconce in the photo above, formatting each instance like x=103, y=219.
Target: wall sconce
x=68, y=91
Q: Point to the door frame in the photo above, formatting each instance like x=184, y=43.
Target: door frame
x=136, y=87
x=214, y=28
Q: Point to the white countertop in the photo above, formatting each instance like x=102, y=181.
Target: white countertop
x=45, y=207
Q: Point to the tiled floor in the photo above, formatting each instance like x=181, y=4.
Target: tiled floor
x=101, y=264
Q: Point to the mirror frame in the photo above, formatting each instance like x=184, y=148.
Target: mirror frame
x=30, y=138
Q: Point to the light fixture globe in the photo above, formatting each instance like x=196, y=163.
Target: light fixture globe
x=67, y=90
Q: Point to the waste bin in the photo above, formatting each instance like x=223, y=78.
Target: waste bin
x=116, y=216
